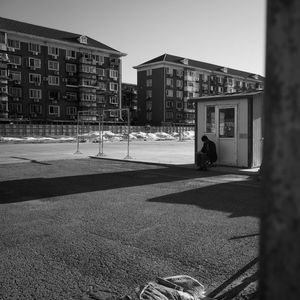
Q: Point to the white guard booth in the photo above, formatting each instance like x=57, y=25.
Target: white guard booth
x=234, y=123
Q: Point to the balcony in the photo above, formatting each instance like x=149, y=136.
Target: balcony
x=88, y=61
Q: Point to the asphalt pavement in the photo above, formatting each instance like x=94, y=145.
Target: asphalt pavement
x=72, y=228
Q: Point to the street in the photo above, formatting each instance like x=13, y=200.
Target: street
x=69, y=227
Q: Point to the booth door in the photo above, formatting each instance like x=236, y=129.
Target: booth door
x=226, y=135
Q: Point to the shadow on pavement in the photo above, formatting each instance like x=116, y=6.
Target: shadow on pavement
x=36, y=188
x=235, y=198
x=235, y=289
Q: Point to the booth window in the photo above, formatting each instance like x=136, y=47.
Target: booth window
x=210, y=119
x=226, y=122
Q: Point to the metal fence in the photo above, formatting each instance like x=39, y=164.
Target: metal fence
x=52, y=130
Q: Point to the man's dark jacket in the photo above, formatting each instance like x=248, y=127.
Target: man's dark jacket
x=209, y=148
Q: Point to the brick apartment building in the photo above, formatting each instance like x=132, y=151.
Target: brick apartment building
x=48, y=74
x=167, y=85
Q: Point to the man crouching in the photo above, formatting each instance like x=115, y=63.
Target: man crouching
x=207, y=155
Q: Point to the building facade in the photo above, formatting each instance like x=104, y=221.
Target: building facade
x=51, y=75
x=168, y=84
x=129, y=100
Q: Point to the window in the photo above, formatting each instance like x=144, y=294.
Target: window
x=53, y=51
x=179, y=83
x=148, y=105
x=14, y=75
x=169, y=115
x=100, y=98
x=170, y=82
x=149, y=72
x=34, y=62
x=13, y=44
x=53, y=95
x=149, y=116
x=15, y=108
x=113, y=100
x=3, y=89
x=98, y=58
x=179, y=94
x=113, y=74
x=220, y=89
x=70, y=53
x=53, y=65
x=229, y=81
x=226, y=122
x=88, y=69
x=71, y=68
x=15, y=92
x=179, y=105
x=190, y=73
x=179, y=73
x=178, y=116
x=149, y=83
x=35, y=94
x=169, y=104
x=148, y=94
x=100, y=72
x=169, y=93
x=2, y=37
x=87, y=97
x=71, y=110
x=71, y=96
x=113, y=86
x=53, y=80
x=210, y=119
x=204, y=77
x=14, y=59
x=102, y=86
x=34, y=47
x=3, y=73
x=169, y=71
x=54, y=110
x=114, y=114
x=35, y=78
x=88, y=82
x=35, y=109
x=220, y=79
x=204, y=88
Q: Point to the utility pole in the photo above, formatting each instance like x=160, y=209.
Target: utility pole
x=280, y=222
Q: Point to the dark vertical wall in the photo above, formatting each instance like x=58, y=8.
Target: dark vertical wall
x=158, y=90
x=280, y=224
x=157, y=96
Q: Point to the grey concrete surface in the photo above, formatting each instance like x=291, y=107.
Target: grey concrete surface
x=72, y=227
x=159, y=152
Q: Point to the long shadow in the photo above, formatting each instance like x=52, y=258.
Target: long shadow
x=238, y=288
x=36, y=188
x=244, y=236
x=234, y=198
x=32, y=160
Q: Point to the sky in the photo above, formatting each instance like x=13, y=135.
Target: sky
x=229, y=33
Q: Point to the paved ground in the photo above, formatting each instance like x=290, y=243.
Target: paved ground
x=160, y=152
x=72, y=227
x=173, y=152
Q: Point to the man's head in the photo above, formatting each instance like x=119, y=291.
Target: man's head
x=204, y=138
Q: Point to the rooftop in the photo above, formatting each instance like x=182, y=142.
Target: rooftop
x=198, y=64
x=64, y=36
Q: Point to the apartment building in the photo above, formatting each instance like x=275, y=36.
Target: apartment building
x=167, y=85
x=51, y=75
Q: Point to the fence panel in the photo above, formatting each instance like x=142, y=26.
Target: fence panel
x=28, y=129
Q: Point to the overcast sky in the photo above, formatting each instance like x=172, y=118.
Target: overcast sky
x=224, y=32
